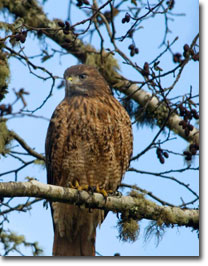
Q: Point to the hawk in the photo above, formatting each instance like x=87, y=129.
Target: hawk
x=88, y=145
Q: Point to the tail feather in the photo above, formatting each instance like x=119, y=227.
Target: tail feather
x=80, y=246
x=75, y=230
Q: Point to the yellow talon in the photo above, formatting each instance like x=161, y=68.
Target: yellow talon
x=82, y=187
x=77, y=186
x=97, y=189
x=85, y=187
x=102, y=191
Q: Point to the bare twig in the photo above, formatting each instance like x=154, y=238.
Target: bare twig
x=163, y=175
x=20, y=207
x=147, y=193
x=26, y=147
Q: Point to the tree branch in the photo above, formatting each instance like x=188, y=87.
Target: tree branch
x=143, y=97
x=136, y=205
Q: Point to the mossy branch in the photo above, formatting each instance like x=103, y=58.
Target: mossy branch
x=12, y=242
x=4, y=74
x=135, y=205
x=143, y=97
x=5, y=137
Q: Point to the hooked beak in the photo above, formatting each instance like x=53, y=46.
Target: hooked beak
x=73, y=80
x=73, y=86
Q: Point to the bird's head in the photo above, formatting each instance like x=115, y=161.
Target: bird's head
x=85, y=80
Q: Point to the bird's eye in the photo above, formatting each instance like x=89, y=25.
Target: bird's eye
x=82, y=76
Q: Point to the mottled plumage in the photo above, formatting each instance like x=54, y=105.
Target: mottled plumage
x=89, y=140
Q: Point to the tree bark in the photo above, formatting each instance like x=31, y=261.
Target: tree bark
x=135, y=205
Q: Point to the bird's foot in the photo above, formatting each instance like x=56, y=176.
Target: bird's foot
x=97, y=189
x=77, y=186
x=104, y=192
x=101, y=191
x=91, y=189
x=81, y=187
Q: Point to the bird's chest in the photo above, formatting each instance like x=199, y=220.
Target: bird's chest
x=83, y=128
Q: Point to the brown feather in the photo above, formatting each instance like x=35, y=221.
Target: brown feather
x=89, y=140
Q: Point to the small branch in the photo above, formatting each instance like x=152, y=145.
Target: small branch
x=147, y=193
x=20, y=207
x=161, y=174
x=15, y=171
x=30, y=64
x=93, y=16
x=26, y=147
x=153, y=141
x=150, y=10
x=136, y=205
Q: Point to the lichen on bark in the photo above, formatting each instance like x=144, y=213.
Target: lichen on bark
x=4, y=74
x=5, y=137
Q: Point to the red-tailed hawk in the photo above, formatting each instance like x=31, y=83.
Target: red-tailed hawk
x=89, y=143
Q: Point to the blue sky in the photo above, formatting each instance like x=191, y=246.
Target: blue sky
x=37, y=225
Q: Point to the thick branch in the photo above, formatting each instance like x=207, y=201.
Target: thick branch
x=35, y=18
x=136, y=205
x=143, y=97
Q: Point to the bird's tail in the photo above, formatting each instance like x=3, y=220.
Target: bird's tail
x=75, y=230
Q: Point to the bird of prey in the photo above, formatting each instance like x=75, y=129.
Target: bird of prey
x=88, y=145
